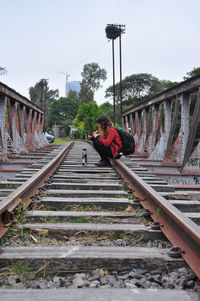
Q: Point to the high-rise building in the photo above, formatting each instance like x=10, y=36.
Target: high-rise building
x=74, y=86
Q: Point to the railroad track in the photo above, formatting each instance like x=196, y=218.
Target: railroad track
x=88, y=224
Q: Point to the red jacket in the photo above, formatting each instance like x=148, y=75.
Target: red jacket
x=110, y=140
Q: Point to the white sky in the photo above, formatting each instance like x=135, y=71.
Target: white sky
x=38, y=38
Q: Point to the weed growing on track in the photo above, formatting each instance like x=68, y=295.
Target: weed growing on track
x=84, y=220
x=16, y=236
x=20, y=268
x=82, y=207
x=20, y=214
x=50, y=219
x=125, y=186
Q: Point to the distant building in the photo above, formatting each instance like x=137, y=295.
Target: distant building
x=74, y=86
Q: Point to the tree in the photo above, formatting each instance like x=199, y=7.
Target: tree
x=73, y=95
x=92, y=75
x=3, y=71
x=62, y=112
x=86, y=94
x=194, y=72
x=134, y=87
x=107, y=109
x=137, y=87
x=160, y=86
x=85, y=120
x=42, y=96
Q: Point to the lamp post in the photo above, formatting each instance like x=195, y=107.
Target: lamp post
x=122, y=30
x=113, y=31
x=113, y=55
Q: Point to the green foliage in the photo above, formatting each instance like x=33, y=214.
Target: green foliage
x=137, y=87
x=83, y=220
x=20, y=214
x=41, y=95
x=92, y=75
x=106, y=109
x=10, y=232
x=86, y=94
x=125, y=186
x=159, y=86
x=62, y=112
x=20, y=268
x=194, y=72
x=3, y=71
x=85, y=120
x=62, y=140
x=73, y=95
x=158, y=212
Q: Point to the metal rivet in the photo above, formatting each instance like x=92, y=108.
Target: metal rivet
x=175, y=252
x=155, y=226
x=147, y=213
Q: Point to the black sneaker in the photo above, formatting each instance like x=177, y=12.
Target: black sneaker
x=103, y=164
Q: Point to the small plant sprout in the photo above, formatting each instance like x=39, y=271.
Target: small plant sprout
x=158, y=212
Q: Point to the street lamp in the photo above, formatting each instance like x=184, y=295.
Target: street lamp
x=113, y=31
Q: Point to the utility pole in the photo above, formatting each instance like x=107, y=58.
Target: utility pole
x=113, y=31
x=122, y=30
x=43, y=101
x=113, y=55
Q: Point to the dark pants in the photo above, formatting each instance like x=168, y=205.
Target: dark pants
x=103, y=151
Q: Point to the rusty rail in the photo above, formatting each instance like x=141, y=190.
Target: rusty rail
x=27, y=190
x=180, y=230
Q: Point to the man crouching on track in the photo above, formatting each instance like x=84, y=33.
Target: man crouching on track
x=108, y=144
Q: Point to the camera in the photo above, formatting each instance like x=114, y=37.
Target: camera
x=87, y=137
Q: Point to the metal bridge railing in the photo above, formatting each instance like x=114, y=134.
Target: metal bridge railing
x=21, y=124
x=166, y=127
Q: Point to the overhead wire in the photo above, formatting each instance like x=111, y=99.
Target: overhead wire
x=99, y=45
x=93, y=50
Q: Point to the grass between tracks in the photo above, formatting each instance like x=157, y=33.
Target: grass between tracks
x=62, y=140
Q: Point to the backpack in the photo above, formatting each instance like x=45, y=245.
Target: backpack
x=128, y=142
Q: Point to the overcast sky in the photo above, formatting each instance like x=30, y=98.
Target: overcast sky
x=39, y=38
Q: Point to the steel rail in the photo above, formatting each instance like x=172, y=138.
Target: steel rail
x=179, y=229
x=27, y=190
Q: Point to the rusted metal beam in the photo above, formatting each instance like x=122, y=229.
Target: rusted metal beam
x=173, y=126
x=179, y=229
x=148, y=132
x=132, y=124
x=19, y=119
x=137, y=123
x=12, y=94
x=1, y=140
x=160, y=118
x=9, y=118
x=192, y=131
x=188, y=86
